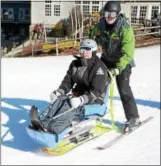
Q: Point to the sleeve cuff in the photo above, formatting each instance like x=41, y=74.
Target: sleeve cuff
x=61, y=91
x=84, y=98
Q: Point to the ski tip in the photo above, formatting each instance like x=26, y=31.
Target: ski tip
x=151, y=117
x=100, y=148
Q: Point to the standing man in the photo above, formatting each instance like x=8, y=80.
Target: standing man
x=117, y=41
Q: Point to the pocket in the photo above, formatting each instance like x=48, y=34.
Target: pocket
x=129, y=69
x=127, y=72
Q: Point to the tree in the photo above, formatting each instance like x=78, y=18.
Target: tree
x=60, y=29
x=74, y=21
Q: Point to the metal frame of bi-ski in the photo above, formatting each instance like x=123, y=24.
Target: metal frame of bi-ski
x=50, y=140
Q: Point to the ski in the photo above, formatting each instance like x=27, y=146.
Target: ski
x=76, y=140
x=117, y=138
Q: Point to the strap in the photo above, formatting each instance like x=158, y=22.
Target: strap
x=114, y=127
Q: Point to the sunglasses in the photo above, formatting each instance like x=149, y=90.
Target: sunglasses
x=82, y=49
x=110, y=14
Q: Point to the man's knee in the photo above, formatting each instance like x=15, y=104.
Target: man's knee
x=123, y=86
x=124, y=90
x=125, y=95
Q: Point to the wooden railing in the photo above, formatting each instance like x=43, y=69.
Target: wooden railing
x=59, y=45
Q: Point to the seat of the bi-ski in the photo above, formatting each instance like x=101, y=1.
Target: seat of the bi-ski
x=96, y=109
x=51, y=140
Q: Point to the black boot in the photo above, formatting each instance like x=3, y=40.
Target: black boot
x=131, y=125
x=35, y=121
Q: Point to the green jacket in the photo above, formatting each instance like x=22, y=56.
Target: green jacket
x=117, y=41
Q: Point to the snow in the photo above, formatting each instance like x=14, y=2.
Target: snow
x=29, y=81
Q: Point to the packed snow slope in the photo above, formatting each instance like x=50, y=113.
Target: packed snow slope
x=29, y=81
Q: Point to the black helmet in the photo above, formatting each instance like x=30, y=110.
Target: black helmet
x=112, y=6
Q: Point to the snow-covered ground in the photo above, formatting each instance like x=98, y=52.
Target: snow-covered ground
x=28, y=81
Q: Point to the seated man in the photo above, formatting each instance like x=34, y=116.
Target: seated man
x=87, y=79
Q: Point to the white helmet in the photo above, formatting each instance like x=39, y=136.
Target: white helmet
x=90, y=44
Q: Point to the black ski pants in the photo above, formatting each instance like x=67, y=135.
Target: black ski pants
x=126, y=95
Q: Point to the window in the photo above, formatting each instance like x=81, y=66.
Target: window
x=86, y=11
x=24, y=14
x=56, y=10
x=21, y=14
x=86, y=2
x=95, y=2
x=134, y=11
x=155, y=9
x=78, y=7
x=47, y=10
x=48, y=7
x=143, y=10
x=86, y=8
x=77, y=2
x=7, y=14
x=48, y=1
x=95, y=9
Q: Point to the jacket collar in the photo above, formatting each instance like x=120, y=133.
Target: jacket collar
x=114, y=27
x=85, y=62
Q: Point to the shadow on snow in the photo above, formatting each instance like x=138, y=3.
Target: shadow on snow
x=19, y=120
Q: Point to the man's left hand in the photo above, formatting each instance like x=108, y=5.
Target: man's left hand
x=115, y=71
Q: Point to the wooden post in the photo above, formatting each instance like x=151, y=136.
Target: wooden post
x=23, y=46
x=57, y=47
x=82, y=26
x=32, y=48
x=13, y=49
x=45, y=33
x=2, y=51
x=75, y=11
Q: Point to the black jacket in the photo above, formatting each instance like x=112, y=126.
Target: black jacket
x=87, y=78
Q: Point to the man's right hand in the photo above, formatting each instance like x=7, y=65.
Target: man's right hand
x=54, y=95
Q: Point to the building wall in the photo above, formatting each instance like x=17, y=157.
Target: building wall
x=38, y=12
x=38, y=9
x=14, y=19
x=128, y=8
